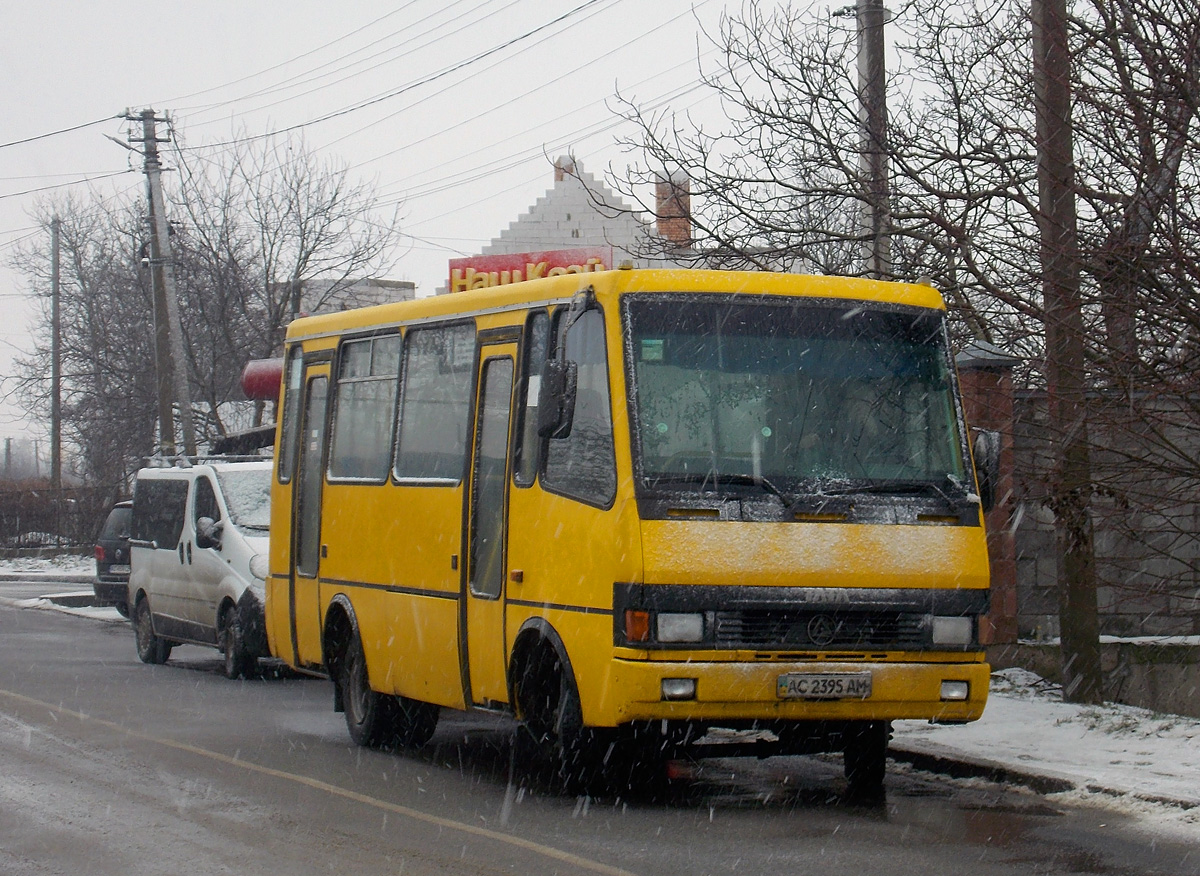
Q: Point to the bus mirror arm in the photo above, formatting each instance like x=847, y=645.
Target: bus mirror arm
x=986, y=451
x=556, y=398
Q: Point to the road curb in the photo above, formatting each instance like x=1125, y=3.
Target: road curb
x=48, y=577
x=959, y=767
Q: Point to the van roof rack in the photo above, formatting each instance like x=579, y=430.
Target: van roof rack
x=184, y=461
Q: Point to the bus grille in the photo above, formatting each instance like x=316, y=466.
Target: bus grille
x=775, y=628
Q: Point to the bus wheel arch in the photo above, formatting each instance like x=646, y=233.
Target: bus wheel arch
x=340, y=627
x=540, y=673
x=373, y=719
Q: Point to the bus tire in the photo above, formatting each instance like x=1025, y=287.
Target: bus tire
x=552, y=724
x=378, y=720
x=415, y=722
x=368, y=715
x=866, y=756
x=150, y=647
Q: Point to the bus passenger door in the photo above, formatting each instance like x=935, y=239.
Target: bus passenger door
x=306, y=519
x=486, y=548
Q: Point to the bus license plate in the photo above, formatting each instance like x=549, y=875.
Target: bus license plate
x=824, y=686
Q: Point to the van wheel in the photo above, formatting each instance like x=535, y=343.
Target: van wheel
x=233, y=645
x=866, y=756
x=150, y=648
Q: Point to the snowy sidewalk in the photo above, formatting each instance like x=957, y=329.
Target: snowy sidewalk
x=1030, y=736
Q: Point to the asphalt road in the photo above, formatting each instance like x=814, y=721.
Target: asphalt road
x=109, y=766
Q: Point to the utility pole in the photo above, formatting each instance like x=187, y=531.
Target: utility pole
x=168, y=338
x=55, y=359
x=1066, y=381
x=871, y=16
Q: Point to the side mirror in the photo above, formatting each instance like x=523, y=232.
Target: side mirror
x=208, y=533
x=556, y=398
x=986, y=450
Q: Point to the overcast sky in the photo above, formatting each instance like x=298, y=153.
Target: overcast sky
x=462, y=155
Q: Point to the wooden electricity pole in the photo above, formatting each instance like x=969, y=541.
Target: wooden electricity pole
x=871, y=17
x=55, y=359
x=168, y=337
x=1066, y=379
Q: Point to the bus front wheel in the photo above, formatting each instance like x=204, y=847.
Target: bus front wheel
x=866, y=756
x=552, y=722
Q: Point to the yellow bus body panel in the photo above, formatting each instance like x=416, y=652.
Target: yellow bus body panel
x=394, y=550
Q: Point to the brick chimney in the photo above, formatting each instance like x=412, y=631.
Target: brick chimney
x=673, y=209
x=564, y=166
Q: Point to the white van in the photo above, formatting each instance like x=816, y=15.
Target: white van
x=198, y=557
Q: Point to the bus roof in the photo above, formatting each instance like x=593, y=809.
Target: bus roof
x=561, y=288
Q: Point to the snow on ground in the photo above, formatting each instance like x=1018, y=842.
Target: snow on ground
x=63, y=564
x=1143, y=764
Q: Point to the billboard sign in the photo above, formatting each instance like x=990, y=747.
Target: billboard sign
x=481, y=272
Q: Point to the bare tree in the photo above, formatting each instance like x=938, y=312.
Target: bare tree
x=109, y=407
x=243, y=229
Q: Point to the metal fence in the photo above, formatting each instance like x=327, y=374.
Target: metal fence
x=44, y=517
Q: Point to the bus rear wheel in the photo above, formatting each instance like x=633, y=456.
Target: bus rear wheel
x=378, y=720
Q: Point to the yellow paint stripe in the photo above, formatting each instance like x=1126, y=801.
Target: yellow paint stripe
x=415, y=814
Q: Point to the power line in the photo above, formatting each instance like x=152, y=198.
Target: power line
x=293, y=83
x=87, y=179
x=282, y=64
x=497, y=107
x=59, y=131
x=433, y=77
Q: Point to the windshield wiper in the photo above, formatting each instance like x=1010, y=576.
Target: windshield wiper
x=718, y=479
x=898, y=487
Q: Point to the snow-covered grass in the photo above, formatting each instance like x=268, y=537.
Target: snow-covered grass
x=61, y=564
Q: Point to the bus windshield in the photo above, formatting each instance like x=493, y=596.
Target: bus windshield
x=801, y=396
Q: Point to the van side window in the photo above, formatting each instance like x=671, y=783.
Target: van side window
x=435, y=403
x=205, y=503
x=364, y=413
x=159, y=509
x=537, y=342
x=582, y=465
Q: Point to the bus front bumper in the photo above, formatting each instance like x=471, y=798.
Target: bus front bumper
x=777, y=690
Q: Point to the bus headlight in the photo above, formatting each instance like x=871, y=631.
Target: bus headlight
x=672, y=627
x=952, y=630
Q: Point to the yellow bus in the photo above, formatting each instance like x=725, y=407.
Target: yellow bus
x=632, y=506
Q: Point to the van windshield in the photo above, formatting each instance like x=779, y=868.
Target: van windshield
x=797, y=396
x=247, y=494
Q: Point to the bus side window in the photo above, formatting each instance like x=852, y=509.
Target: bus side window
x=537, y=342
x=364, y=412
x=435, y=403
x=582, y=465
x=294, y=378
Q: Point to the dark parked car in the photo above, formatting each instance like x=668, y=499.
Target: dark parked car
x=112, y=559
